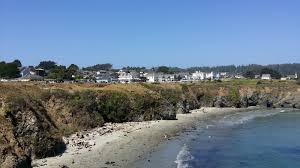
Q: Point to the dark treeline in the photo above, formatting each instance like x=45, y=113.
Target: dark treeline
x=99, y=67
x=283, y=69
x=10, y=70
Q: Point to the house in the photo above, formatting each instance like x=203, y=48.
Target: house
x=256, y=76
x=169, y=77
x=151, y=77
x=283, y=78
x=238, y=76
x=198, y=75
x=212, y=76
x=87, y=74
x=166, y=78
x=30, y=77
x=224, y=75
x=183, y=76
x=25, y=71
x=104, y=79
x=40, y=72
x=30, y=74
x=128, y=76
x=291, y=77
x=103, y=76
x=101, y=72
x=266, y=77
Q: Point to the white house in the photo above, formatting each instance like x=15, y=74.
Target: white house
x=212, y=75
x=198, y=75
x=223, y=75
x=266, y=77
x=238, y=76
x=290, y=77
x=166, y=78
x=128, y=77
x=151, y=77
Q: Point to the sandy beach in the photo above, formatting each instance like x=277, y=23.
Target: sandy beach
x=119, y=145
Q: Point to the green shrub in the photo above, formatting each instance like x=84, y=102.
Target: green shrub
x=234, y=97
x=114, y=106
x=84, y=109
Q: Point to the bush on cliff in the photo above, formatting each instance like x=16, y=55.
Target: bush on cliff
x=234, y=97
x=84, y=110
x=113, y=106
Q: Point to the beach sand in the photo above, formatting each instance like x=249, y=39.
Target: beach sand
x=121, y=144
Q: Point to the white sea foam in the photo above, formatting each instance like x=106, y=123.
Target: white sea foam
x=242, y=118
x=184, y=157
x=208, y=126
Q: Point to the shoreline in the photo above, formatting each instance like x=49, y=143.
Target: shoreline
x=121, y=144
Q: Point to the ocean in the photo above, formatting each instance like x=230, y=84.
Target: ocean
x=255, y=139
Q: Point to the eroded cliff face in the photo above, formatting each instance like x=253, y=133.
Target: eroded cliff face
x=34, y=118
x=26, y=132
x=266, y=97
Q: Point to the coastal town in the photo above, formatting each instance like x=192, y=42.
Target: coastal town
x=50, y=72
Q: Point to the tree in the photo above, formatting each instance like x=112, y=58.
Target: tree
x=99, y=67
x=283, y=69
x=138, y=69
x=47, y=65
x=249, y=75
x=163, y=69
x=58, y=73
x=73, y=67
x=9, y=70
x=71, y=70
x=17, y=62
x=274, y=74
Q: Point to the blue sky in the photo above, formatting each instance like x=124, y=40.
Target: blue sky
x=150, y=32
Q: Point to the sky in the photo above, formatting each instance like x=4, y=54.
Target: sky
x=150, y=33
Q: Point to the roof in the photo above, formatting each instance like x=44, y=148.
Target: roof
x=39, y=69
x=266, y=75
x=32, y=77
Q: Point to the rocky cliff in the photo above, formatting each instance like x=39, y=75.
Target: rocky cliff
x=35, y=117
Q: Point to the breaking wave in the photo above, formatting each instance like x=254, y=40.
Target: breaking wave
x=184, y=157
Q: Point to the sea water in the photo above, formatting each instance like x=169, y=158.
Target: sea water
x=255, y=139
